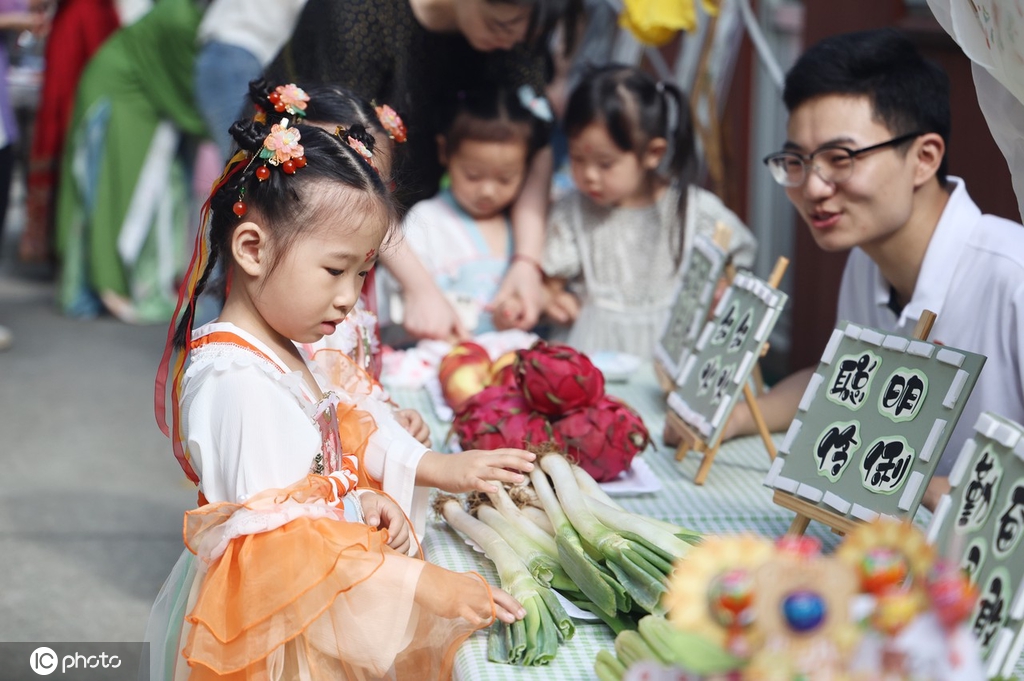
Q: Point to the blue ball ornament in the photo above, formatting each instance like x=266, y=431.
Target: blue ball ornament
x=804, y=611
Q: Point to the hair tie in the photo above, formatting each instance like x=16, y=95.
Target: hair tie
x=535, y=104
x=341, y=132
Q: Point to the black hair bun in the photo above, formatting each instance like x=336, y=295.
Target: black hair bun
x=360, y=133
x=249, y=135
x=259, y=93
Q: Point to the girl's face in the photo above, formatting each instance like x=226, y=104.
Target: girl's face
x=318, y=280
x=489, y=25
x=608, y=175
x=487, y=176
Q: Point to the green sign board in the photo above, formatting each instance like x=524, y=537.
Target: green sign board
x=701, y=270
x=979, y=526
x=873, y=423
x=713, y=375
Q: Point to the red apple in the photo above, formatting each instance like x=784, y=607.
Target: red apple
x=463, y=382
x=503, y=370
x=462, y=354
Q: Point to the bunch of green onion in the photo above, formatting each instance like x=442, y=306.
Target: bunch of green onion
x=567, y=534
x=534, y=639
x=658, y=640
x=614, y=557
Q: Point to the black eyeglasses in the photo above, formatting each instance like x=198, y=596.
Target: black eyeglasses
x=833, y=164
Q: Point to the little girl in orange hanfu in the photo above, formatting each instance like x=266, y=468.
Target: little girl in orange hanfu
x=292, y=571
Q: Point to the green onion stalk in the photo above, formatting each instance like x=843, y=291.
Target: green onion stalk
x=544, y=566
x=515, y=515
x=534, y=639
x=596, y=583
x=539, y=518
x=686, y=650
x=592, y=489
x=607, y=667
x=640, y=565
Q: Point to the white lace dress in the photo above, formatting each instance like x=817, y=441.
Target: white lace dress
x=621, y=263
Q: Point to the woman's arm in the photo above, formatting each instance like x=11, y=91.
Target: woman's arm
x=427, y=313
x=529, y=215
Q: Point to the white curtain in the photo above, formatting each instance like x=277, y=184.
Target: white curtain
x=991, y=34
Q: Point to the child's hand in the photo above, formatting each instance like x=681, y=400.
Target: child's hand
x=933, y=494
x=563, y=307
x=507, y=313
x=507, y=608
x=522, y=282
x=381, y=512
x=473, y=470
x=412, y=421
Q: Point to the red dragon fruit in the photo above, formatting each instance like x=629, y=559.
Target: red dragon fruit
x=602, y=438
x=557, y=379
x=500, y=417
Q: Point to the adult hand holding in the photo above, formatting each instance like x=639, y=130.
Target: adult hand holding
x=520, y=298
x=427, y=313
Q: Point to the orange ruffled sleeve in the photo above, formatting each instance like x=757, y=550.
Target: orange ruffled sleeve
x=318, y=597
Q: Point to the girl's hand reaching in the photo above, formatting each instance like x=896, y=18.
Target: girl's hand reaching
x=381, y=512
x=413, y=422
x=475, y=470
x=507, y=608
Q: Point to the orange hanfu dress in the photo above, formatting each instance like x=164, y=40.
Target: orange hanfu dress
x=281, y=580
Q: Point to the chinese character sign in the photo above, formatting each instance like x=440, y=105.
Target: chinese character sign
x=979, y=526
x=699, y=275
x=726, y=351
x=873, y=423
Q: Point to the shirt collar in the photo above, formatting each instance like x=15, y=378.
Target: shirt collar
x=953, y=231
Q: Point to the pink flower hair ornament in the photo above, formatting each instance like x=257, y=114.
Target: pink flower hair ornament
x=282, y=148
x=392, y=123
x=289, y=98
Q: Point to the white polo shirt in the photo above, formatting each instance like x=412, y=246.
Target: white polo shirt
x=972, y=278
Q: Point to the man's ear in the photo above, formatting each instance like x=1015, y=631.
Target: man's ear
x=250, y=248
x=654, y=153
x=442, y=151
x=930, y=149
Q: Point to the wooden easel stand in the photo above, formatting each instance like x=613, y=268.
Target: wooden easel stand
x=689, y=440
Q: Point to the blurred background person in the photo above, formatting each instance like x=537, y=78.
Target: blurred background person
x=123, y=200
x=78, y=30
x=15, y=16
x=237, y=40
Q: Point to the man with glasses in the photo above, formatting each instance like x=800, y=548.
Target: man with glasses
x=864, y=164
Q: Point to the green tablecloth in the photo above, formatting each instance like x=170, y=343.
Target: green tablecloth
x=732, y=500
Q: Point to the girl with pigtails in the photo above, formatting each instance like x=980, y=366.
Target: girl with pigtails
x=293, y=569
x=615, y=246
